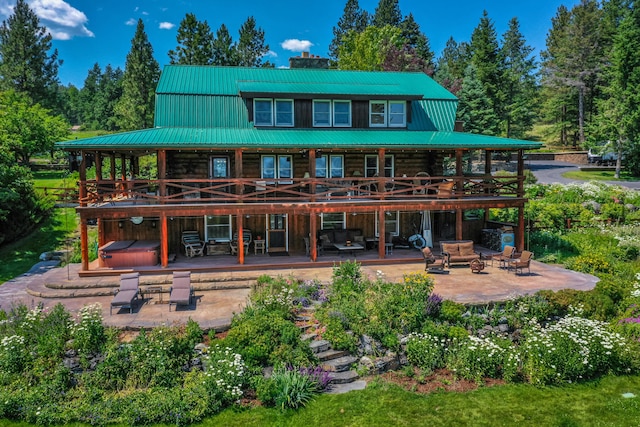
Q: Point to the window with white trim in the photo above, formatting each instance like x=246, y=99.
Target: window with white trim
x=378, y=113
x=333, y=221
x=321, y=113
x=279, y=167
x=397, y=113
x=263, y=112
x=372, y=169
x=391, y=223
x=330, y=166
x=341, y=113
x=217, y=227
x=284, y=112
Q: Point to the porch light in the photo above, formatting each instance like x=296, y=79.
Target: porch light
x=120, y=224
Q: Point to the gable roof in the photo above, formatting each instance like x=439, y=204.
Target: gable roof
x=211, y=80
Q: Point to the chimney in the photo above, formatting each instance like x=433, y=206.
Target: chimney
x=309, y=61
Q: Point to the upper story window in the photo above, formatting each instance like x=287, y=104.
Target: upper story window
x=263, y=112
x=387, y=113
x=327, y=113
x=330, y=166
x=284, y=112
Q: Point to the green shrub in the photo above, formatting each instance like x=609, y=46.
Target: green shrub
x=224, y=374
x=88, y=332
x=451, y=312
x=193, y=332
x=476, y=358
x=291, y=388
x=426, y=351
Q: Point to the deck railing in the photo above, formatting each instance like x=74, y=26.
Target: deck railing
x=235, y=190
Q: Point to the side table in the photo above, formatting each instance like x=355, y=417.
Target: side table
x=259, y=245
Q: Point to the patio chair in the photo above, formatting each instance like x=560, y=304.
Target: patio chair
x=127, y=293
x=521, y=263
x=247, y=238
x=181, y=290
x=505, y=256
x=192, y=243
x=433, y=263
x=420, y=182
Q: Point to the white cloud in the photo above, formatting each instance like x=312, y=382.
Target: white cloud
x=131, y=22
x=296, y=45
x=61, y=19
x=270, y=53
x=166, y=25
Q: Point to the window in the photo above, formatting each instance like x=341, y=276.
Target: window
x=321, y=113
x=219, y=167
x=284, y=112
x=277, y=167
x=387, y=113
x=397, y=113
x=330, y=166
x=342, y=113
x=333, y=221
x=371, y=165
x=217, y=227
x=391, y=223
x=378, y=113
x=263, y=112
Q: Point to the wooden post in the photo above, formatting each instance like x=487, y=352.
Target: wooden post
x=84, y=243
x=112, y=174
x=313, y=236
x=164, y=240
x=459, y=215
x=520, y=232
x=520, y=173
x=240, y=242
x=381, y=176
x=459, y=174
x=82, y=191
x=123, y=174
x=381, y=234
x=162, y=174
x=312, y=174
x=239, y=171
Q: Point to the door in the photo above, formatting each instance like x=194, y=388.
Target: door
x=277, y=233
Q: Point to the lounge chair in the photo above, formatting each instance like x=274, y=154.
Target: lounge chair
x=521, y=263
x=192, y=243
x=127, y=293
x=181, y=290
x=433, y=263
x=505, y=256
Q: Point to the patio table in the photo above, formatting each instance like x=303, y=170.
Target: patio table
x=346, y=248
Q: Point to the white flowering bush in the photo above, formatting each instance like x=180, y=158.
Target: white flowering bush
x=426, y=351
x=476, y=358
x=574, y=348
x=13, y=354
x=88, y=330
x=274, y=294
x=224, y=374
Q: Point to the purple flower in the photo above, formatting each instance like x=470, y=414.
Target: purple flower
x=434, y=302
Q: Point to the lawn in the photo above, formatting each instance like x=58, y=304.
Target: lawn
x=599, y=176
x=21, y=255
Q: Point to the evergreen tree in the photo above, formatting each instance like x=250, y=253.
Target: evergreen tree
x=224, y=51
x=134, y=110
x=387, y=13
x=352, y=19
x=25, y=63
x=519, y=84
x=251, y=46
x=476, y=108
x=417, y=41
x=109, y=93
x=452, y=65
x=485, y=57
x=195, y=43
x=88, y=95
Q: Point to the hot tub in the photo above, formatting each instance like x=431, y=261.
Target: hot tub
x=129, y=253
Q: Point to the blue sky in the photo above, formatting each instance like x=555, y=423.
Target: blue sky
x=90, y=31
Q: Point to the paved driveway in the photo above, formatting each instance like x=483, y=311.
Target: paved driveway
x=550, y=172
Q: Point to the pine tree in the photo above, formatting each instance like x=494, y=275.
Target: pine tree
x=109, y=94
x=452, y=65
x=251, y=46
x=195, y=43
x=352, y=19
x=417, y=40
x=519, y=84
x=141, y=75
x=224, y=51
x=476, y=108
x=88, y=95
x=387, y=13
x=485, y=57
x=25, y=63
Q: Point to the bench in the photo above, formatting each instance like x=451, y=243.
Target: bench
x=458, y=252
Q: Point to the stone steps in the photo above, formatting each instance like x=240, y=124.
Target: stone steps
x=330, y=354
x=339, y=364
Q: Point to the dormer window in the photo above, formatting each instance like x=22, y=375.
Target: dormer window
x=263, y=112
x=322, y=113
x=284, y=112
x=328, y=113
x=387, y=113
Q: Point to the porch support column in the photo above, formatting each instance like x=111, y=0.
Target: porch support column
x=135, y=166
x=84, y=243
x=312, y=175
x=520, y=173
x=381, y=234
x=164, y=240
x=123, y=173
x=112, y=166
x=162, y=173
x=487, y=162
x=487, y=172
x=82, y=191
x=239, y=173
x=240, y=242
x=459, y=215
x=459, y=173
x=98, y=167
x=313, y=236
x=520, y=231
x=381, y=179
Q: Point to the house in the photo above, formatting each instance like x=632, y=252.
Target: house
x=287, y=156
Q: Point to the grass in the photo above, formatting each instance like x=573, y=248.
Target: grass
x=599, y=176
x=21, y=255
x=53, y=179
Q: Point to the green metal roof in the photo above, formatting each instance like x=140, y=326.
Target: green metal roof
x=212, y=138
x=210, y=80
